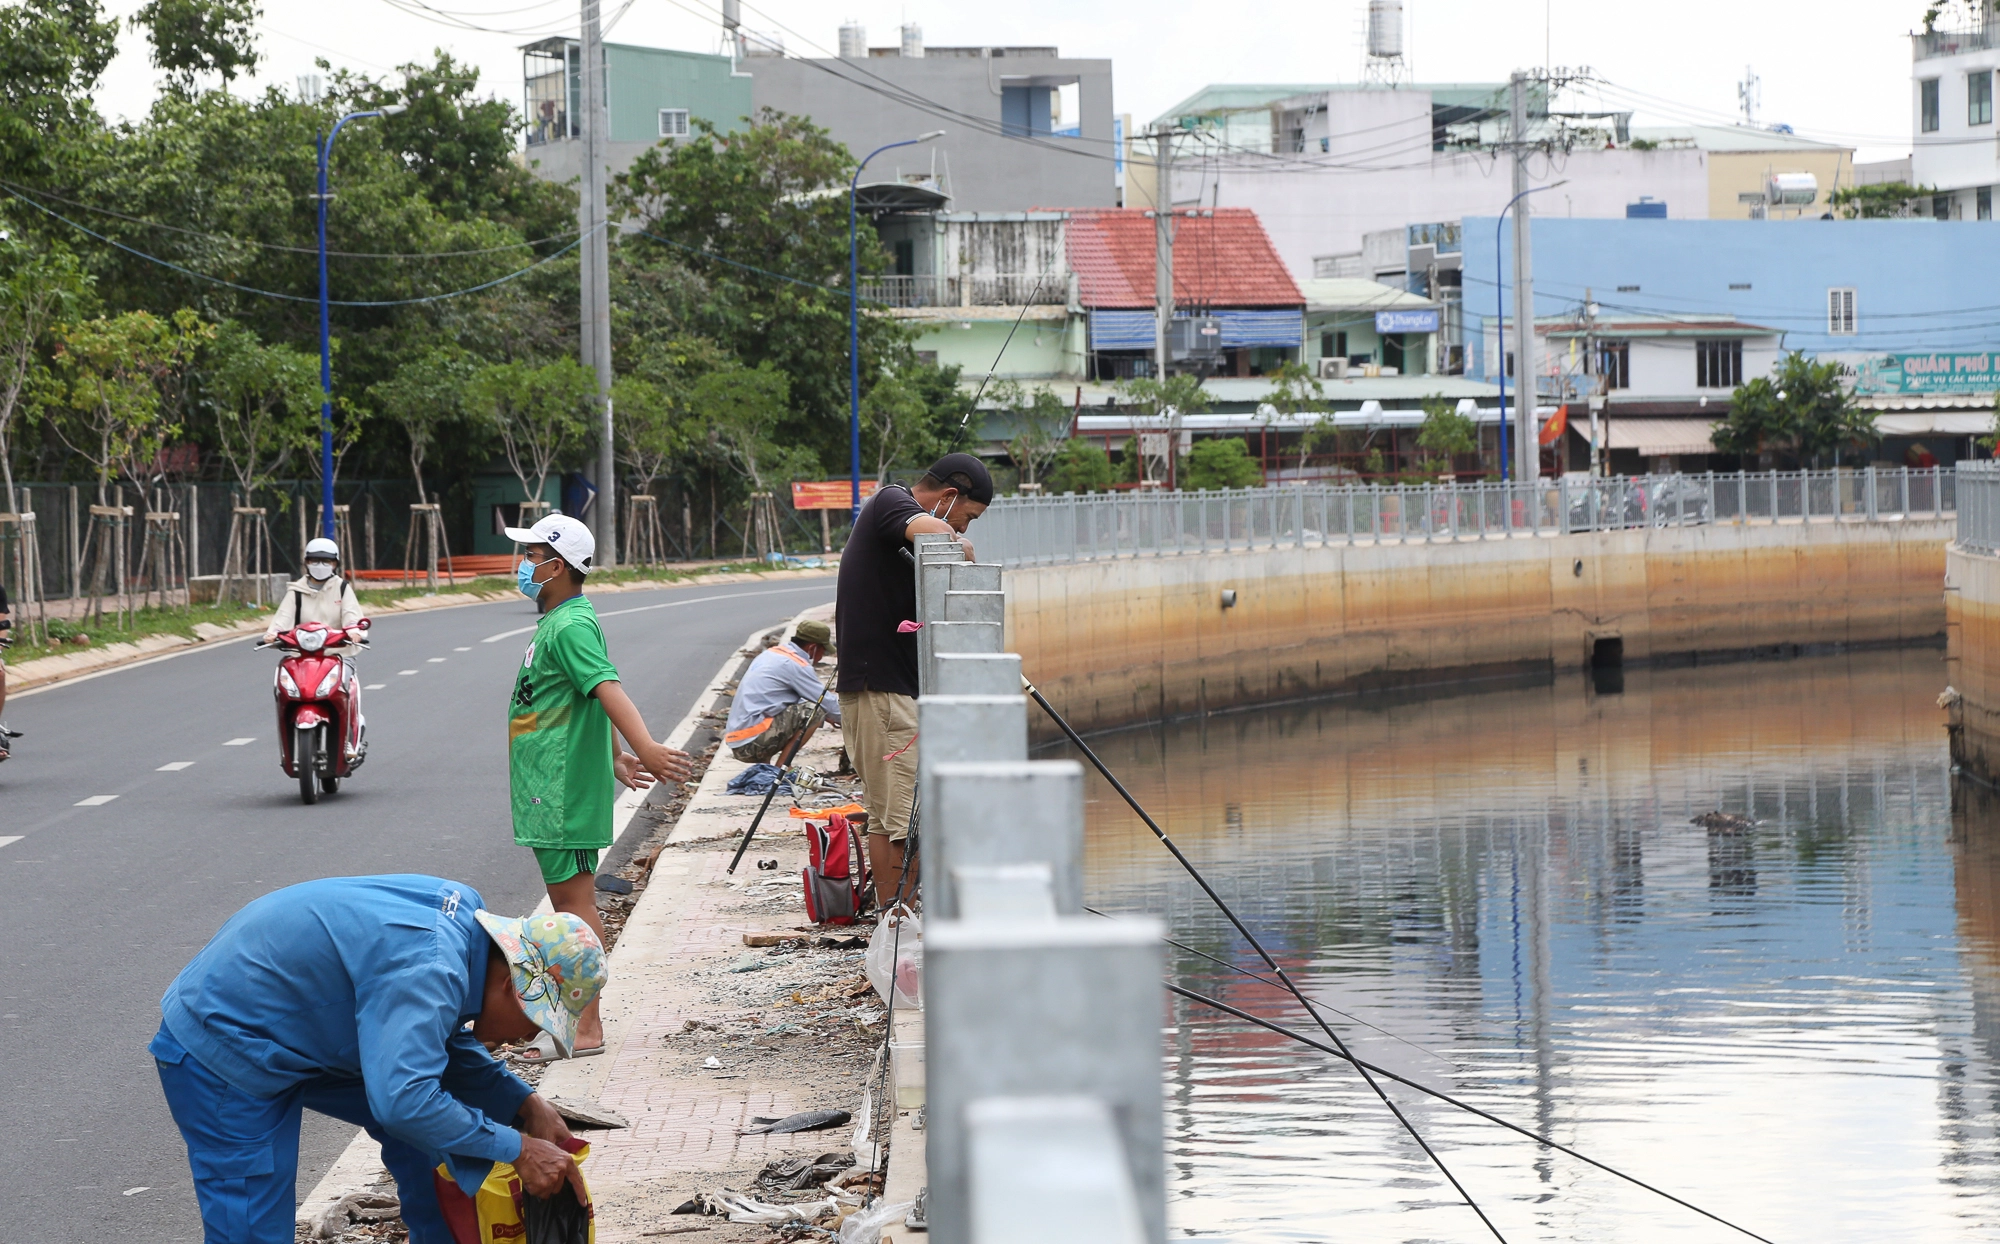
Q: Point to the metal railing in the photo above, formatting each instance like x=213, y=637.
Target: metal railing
x=1979, y=506
x=1005, y=289
x=1071, y=528
x=1933, y=43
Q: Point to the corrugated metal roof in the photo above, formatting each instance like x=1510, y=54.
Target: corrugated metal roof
x=1221, y=259
x=1359, y=294
x=1657, y=438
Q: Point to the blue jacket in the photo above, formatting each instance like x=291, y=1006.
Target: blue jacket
x=368, y=978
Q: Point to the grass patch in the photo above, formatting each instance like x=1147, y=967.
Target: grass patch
x=73, y=635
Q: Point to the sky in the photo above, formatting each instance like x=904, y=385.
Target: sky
x=1839, y=70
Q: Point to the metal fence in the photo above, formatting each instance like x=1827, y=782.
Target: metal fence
x=1070, y=528
x=1979, y=506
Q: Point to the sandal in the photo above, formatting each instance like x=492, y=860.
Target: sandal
x=543, y=1050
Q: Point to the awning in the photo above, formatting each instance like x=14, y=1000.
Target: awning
x=1936, y=423
x=1656, y=438
x=1133, y=330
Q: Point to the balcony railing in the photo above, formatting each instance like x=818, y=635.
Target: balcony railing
x=1932, y=43
x=1025, y=530
x=1007, y=289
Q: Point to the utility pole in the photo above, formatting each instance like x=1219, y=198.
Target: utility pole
x=1527, y=432
x=1594, y=368
x=1163, y=275
x=595, y=280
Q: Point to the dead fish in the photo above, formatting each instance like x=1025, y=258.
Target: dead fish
x=1724, y=823
x=804, y=1121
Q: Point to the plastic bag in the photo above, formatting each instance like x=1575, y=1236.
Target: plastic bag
x=502, y=1212
x=866, y=1226
x=898, y=939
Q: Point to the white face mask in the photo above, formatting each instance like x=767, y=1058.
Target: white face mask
x=947, y=508
x=320, y=571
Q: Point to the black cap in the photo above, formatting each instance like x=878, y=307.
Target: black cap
x=973, y=480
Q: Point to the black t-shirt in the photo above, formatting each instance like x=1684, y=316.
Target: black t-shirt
x=877, y=593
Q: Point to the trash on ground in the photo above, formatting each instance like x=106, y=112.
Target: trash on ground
x=739, y=1207
x=804, y=1121
x=356, y=1207
x=866, y=1226
x=613, y=885
x=712, y=1063
x=767, y=866
x=750, y=963
x=756, y=780
x=588, y=1113
x=795, y=1174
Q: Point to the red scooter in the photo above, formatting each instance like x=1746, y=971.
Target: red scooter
x=322, y=736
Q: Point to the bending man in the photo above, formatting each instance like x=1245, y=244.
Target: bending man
x=776, y=700
x=350, y=996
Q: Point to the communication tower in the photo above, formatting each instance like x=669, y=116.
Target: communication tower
x=1385, y=64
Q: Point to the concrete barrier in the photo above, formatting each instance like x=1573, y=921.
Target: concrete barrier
x=1132, y=639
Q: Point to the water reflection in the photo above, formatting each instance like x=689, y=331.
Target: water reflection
x=1793, y=1025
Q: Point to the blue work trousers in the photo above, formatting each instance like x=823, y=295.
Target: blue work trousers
x=244, y=1151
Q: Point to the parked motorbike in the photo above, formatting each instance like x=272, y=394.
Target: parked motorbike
x=322, y=736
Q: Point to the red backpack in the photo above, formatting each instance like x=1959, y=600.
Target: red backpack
x=835, y=873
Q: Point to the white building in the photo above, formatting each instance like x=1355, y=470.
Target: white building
x=1324, y=166
x=1955, y=146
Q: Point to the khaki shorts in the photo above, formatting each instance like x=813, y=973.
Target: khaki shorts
x=880, y=728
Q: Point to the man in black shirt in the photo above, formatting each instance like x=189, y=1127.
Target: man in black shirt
x=878, y=659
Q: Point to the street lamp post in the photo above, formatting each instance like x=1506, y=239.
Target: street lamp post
x=854, y=318
x=1500, y=324
x=325, y=330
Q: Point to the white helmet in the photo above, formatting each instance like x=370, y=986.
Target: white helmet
x=320, y=546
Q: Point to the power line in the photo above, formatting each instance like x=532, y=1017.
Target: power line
x=266, y=293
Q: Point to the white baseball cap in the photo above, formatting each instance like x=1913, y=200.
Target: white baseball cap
x=568, y=537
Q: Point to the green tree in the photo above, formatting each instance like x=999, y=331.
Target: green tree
x=1041, y=427
x=760, y=217
x=893, y=424
x=1881, y=201
x=1079, y=466
x=264, y=404
x=1445, y=434
x=1802, y=411
x=40, y=287
x=539, y=412
x=427, y=394
x=52, y=53
x=1295, y=391
x=744, y=407
x=191, y=37
x=106, y=389
x=652, y=431
x=1220, y=463
x=1181, y=395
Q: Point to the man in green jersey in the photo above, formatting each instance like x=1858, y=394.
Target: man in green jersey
x=561, y=755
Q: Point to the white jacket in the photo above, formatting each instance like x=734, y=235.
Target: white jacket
x=306, y=600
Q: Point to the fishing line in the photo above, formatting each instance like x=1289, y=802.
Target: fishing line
x=1292, y=988
x=959, y=439
x=1448, y=1099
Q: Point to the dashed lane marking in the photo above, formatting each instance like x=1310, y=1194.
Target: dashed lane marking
x=239, y=742
x=671, y=604
x=95, y=801
x=374, y=686
x=461, y=650
x=404, y=673
x=437, y=660
x=175, y=766
x=9, y=839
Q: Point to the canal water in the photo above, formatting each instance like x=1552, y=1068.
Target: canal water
x=1794, y=1026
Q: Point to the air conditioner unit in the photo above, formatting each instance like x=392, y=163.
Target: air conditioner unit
x=1333, y=369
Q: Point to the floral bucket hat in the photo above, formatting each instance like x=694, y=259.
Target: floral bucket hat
x=558, y=967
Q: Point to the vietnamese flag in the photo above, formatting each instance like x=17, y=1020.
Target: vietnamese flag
x=1558, y=424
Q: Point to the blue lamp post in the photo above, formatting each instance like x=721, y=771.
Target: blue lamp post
x=325, y=332
x=854, y=317
x=1500, y=301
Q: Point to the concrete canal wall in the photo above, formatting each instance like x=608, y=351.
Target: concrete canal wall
x=1132, y=639
x=1972, y=658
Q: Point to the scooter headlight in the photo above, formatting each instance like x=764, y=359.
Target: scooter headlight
x=312, y=641
x=327, y=684
x=285, y=681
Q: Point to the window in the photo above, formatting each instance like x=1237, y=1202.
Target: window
x=1840, y=312
x=1718, y=364
x=1979, y=98
x=673, y=123
x=1983, y=200
x=1927, y=106
x=1941, y=207
x=1614, y=363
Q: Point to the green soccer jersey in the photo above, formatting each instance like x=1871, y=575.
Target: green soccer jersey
x=558, y=737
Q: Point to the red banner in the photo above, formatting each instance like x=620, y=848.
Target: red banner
x=829, y=494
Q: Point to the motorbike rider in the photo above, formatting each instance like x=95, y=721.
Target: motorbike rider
x=324, y=595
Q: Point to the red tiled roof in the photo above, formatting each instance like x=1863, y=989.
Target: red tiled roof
x=1221, y=259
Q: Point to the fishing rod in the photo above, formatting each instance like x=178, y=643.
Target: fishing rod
x=1290, y=987
x=973, y=405
x=1448, y=1099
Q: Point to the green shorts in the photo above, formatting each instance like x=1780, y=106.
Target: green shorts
x=559, y=864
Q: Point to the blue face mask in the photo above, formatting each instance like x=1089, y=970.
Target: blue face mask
x=524, y=578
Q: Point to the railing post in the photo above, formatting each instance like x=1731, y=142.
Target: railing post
x=1868, y=473
x=1937, y=492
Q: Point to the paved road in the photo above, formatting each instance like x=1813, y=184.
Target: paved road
x=101, y=905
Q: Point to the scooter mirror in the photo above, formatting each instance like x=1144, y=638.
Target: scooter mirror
x=363, y=624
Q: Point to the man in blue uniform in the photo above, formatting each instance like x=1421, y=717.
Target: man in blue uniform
x=370, y=999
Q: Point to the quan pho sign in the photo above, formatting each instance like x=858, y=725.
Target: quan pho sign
x=1935, y=371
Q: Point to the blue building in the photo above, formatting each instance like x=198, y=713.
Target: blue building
x=1908, y=304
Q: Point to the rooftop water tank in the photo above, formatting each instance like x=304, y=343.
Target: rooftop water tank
x=853, y=41
x=1385, y=28
x=913, y=41
x=1646, y=209
x=1791, y=189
